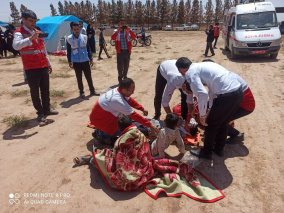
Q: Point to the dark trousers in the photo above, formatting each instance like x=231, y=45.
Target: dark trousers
x=123, y=59
x=215, y=39
x=38, y=79
x=3, y=50
x=209, y=45
x=103, y=47
x=161, y=83
x=232, y=132
x=221, y=113
x=79, y=69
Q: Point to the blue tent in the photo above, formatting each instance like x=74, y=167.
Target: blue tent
x=58, y=28
x=3, y=23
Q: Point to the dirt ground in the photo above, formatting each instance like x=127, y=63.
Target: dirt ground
x=37, y=160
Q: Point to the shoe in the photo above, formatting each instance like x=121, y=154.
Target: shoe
x=156, y=117
x=100, y=58
x=51, y=112
x=200, y=154
x=94, y=93
x=205, y=55
x=110, y=56
x=215, y=47
x=219, y=152
x=213, y=54
x=40, y=117
x=82, y=95
x=236, y=139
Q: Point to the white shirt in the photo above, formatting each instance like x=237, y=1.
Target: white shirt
x=165, y=137
x=113, y=102
x=174, y=79
x=244, y=85
x=83, y=31
x=215, y=77
x=19, y=42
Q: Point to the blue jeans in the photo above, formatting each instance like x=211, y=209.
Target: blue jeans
x=105, y=135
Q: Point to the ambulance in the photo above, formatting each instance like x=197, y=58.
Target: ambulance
x=251, y=29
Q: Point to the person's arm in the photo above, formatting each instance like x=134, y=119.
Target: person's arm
x=132, y=35
x=47, y=57
x=68, y=51
x=135, y=104
x=114, y=36
x=170, y=88
x=90, y=54
x=202, y=95
x=19, y=42
x=211, y=98
x=161, y=143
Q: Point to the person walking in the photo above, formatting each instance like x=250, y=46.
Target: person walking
x=225, y=97
x=102, y=45
x=123, y=43
x=80, y=58
x=210, y=39
x=3, y=44
x=91, y=37
x=36, y=63
x=216, y=29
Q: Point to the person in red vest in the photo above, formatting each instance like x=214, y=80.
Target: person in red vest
x=216, y=29
x=123, y=44
x=36, y=63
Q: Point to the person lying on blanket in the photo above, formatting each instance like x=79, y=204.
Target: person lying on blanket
x=113, y=104
x=130, y=166
x=168, y=135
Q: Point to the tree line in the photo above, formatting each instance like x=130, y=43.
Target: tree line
x=135, y=12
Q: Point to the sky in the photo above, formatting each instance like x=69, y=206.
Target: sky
x=42, y=8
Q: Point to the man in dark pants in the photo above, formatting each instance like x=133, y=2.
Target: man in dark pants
x=210, y=39
x=225, y=97
x=3, y=44
x=123, y=43
x=80, y=58
x=102, y=44
x=216, y=29
x=168, y=76
x=36, y=63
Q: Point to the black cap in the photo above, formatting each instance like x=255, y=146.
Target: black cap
x=183, y=62
x=28, y=13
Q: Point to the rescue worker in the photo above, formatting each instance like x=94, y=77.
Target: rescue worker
x=216, y=29
x=36, y=63
x=80, y=58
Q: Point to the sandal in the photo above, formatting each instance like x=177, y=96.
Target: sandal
x=82, y=160
x=46, y=122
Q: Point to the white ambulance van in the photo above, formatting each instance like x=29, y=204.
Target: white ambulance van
x=250, y=29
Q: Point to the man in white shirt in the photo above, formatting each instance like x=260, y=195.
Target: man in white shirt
x=168, y=76
x=225, y=97
x=82, y=28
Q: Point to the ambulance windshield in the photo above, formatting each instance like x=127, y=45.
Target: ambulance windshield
x=257, y=20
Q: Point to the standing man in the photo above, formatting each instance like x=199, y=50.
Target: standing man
x=80, y=58
x=143, y=33
x=114, y=104
x=82, y=28
x=168, y=76
x=123, y=43
x=216, y=29
x=3, y=44
x=210, y=39
x=225, y=97
x=36, y=63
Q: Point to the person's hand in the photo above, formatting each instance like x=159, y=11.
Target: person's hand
x=34, y=36
x=99, y=151
x=128, y=28
x=208, y=112
x=49, y=69
x=145, y=112
x=71, y=65
x=154, y=129
x=203, y=120
x=91, y=63
x=120, y=29
x=193, y=123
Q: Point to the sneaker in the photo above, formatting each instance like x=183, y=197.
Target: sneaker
x=94, y=93
x=236, y=139
x=200, y=154
x=156, y=117
x=40, y=117
x=109, y=56
x=51, y=112
x=100, y=58
x=82, y=95
x=213, y=54
x=205, y=55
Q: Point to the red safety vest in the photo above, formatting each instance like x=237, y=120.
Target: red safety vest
x=33, y=56
x=216, y=30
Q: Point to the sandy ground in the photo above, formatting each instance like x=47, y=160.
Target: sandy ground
x=39, y=159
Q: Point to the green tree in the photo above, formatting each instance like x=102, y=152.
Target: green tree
x=227, y=4
x=187, y=11
x=201, y=14
x=153, y=12
x=194, y=19
x=138, y=15
x=120, y=11
x=147, y=13
x=180, y=16
x=100, y=12
x=218, y=11
x=14, y=13
x=174, y=12
x=164, y=13
x=209, y=13
x=60, y=8
x=53, y=10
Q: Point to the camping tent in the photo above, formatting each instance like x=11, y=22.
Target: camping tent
x=2, y=25
x=58, y=28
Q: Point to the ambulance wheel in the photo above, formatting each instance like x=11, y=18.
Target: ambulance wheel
x=273, y=56
x=233, y=55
